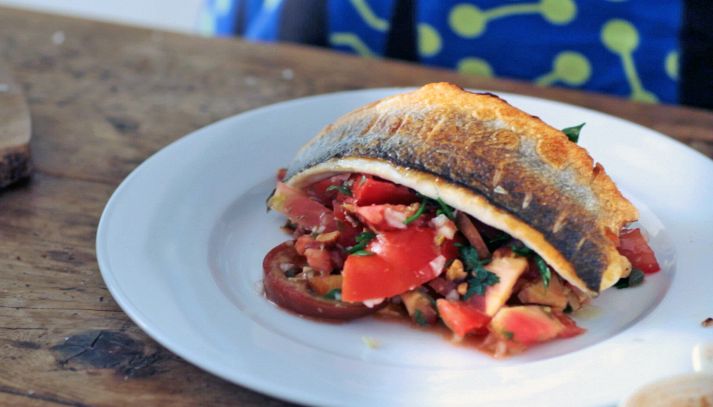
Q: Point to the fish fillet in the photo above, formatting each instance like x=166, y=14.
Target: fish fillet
x=482, y=156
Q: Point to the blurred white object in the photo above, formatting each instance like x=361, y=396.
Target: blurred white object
x=686, y=390
x=174, y=15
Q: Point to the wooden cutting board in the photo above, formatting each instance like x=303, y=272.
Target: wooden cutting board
x=15, y=131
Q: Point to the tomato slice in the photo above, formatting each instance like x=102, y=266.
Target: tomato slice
x=633, y=246
x=302, y=210
x=460, y=317
x=367, y=191
x=401, y=261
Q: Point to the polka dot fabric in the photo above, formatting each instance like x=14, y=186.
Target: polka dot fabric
x=627, y=47
x=622, y=47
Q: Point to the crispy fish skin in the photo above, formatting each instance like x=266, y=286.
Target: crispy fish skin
x=483, y=156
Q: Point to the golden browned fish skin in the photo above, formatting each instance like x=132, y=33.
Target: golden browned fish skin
x=520, y=165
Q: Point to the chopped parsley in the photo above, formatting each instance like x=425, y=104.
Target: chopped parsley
x=445, y=209
x=344, y=188
x=636, y=277
x=362, y=240
x=568, y=309
x=573, y=132
x=334, y=294
x=496, y=241
x=508, y=335
x=442, y=208
x=523, y=251
x=419, y=318
x=545, y=272
x=481, y=278
x=542, y=267
x=418, y=213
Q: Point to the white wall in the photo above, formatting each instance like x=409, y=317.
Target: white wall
x=176, y=15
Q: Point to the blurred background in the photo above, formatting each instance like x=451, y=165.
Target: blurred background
x=645, y=50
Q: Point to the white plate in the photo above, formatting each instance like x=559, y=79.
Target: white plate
x=181, y=241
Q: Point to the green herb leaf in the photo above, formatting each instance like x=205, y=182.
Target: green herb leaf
x=362, y=240
x=498, y=240
x=362, y=253
x=482, y=278
x=545, y=272
x=445, y=209
x=341, y=188
x=508, y=335
x=523, y=251
x=418, y=213
x=419, y=318
x=573, y=132
x=333, y=294
x=568, y=309
x=636, y=277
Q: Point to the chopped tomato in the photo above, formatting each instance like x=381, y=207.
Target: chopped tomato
x=367, y=191
x=305, y=242
x=633, y=246
x=570, y=327
x=442, y=286
x=460, y=317
x=320, y=260
x=400, y=260
x=327, y=190
x=530, y=324
x=385, y=217
x=302, y=210
x=347, y=227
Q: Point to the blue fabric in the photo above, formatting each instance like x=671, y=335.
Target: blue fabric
x=364, y=33
x=622, y=47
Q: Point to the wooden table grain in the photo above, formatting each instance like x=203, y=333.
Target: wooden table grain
x=103, y=98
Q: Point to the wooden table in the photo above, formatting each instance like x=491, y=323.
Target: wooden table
x=105, y=97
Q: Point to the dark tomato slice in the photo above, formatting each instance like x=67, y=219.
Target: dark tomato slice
x=294, y=294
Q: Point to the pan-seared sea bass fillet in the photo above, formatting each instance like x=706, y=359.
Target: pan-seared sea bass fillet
x=482, y=156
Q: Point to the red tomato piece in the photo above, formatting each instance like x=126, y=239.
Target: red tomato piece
x=348, y=231
x=323, y=191
x=460, y=317
x=526, y=324
x=320, y=260
x=385, y=217
x=401, y=260
x=302, y=210
x=633, y=246
x=367, y=191
x=570, y=327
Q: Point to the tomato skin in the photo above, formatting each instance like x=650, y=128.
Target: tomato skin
x=318, y=190
x=302, y=210
x=570, y=327
x=400, y=261
x=376, y=216
x=460, y=317
x=634, y=247
x=530, y=324
x=368, y=191
x=294, y=295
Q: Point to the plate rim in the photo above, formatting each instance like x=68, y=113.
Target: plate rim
x=239, y=377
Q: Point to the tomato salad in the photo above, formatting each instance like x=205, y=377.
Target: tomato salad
x=364, y=245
